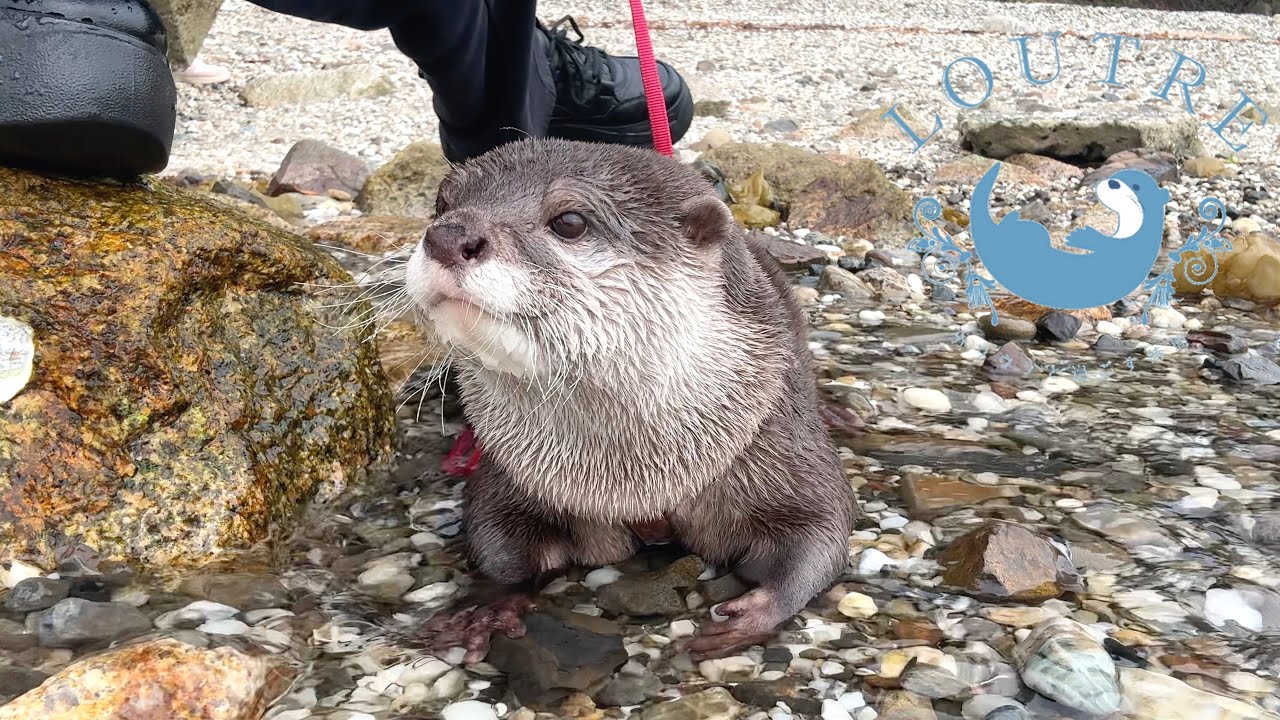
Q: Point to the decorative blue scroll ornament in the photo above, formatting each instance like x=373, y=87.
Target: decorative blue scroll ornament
x=949, y=258
x=1198, y=271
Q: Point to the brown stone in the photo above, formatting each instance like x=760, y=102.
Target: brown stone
x=1027, y=310
x=159, y=680
x=791, y=255
x=966, y=171
x=916, y=628
x=928, y=496
x=1046, y=168
x=313, y=168
x=1004, y=561
x=189, y=393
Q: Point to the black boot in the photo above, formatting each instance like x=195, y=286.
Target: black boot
x=84, y=87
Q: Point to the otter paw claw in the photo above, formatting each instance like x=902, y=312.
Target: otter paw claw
x=471, y=627
x=751, y=622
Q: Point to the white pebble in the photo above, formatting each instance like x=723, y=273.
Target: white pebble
x=1162, y=317
x=199, y=611
x=871, y=561
x=832, y=710
x=1106, y=327
x=988, y=402
x=468, y=710
x=852, y=701
x=1058, y=385
x=431, y=593
x=682, y=629
x=16, y=572
x=857, y=605
x=893, y=522
x=224, y=627
x=927, y=399
x=870, y=317
x=600, y=577
x=1222, y=604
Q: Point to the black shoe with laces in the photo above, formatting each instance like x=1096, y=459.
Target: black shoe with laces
x=600, y=98
x=84, y=87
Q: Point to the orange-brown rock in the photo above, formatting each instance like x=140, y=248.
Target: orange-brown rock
x=1017, y=307
x=1249, y=270
x=928, y=496
x=159, y=680
x=1004, y=561
x=189, y=392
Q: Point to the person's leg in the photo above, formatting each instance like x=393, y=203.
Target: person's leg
x=497, y=75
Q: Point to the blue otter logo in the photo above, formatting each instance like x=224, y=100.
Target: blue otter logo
x=1019, y=255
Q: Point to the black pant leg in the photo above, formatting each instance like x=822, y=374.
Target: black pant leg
x=484, y=60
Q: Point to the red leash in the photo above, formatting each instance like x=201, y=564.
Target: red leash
x=652, y=85
x=464, y=456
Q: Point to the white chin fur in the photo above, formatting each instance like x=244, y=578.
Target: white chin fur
x=1125, y=204
x=477, y=335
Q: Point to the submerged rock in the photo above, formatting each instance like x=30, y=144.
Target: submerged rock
x=74, y=621
x=561, y=653
x=159, y=680
x=1063, y=662
x=713, y=704
x=188, y=392
x=1151, y=696
x=1003, y=561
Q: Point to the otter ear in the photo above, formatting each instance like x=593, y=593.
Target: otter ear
x=706, y=220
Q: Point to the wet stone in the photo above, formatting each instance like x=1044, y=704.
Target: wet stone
x=561, y=653
x=1058, y=326
x=906, y=705
x=626, y=690
x=713, y=704
x=790, y=255
x=932, y=681
x=916, y=628
x=928, y=496
x=36, y=594
x=1251, y=370
x=1111, y=345
x=1010, y=360
x=1217, y=341
x=791, y=690
x=943, y=293
x=15, y=681
x=838, y=280
x=240, y=590
x=1063, y=662
x=1003, y=561
x=725, y=587
x=1007, y=327
x=73, y=622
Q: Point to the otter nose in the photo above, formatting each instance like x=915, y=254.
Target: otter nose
x=452, y=245
x=1113, y=184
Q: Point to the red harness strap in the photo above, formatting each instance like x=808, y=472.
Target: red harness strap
x=464, y=457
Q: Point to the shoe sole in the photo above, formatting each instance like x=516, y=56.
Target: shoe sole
x=82, y=100
x=639, y=133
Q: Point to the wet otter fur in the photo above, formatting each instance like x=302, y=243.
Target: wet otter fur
x=627, y=356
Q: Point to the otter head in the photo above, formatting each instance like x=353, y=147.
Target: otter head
x=545, y=254
x=1135, y=197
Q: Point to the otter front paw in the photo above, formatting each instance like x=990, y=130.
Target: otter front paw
x=753, y=619
x=471, y=627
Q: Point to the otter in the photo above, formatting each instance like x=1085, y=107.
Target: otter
x=636, y=370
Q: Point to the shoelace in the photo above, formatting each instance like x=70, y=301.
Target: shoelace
x=583, y=66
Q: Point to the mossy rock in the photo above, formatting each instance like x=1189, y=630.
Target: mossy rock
x=852, y=198
x=189, y=392
x=406, y=186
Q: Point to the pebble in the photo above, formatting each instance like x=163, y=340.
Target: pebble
x=927, y=399
x=734, y=668
x=36, y=593
x=467, y=710
x=195, y=614
x=857, y=605
x=74, y=621
x=1061, y=660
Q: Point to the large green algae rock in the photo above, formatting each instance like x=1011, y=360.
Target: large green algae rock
x=189, y=394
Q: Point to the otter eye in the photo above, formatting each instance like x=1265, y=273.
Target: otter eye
x=1135, y=187
x=569, y=226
